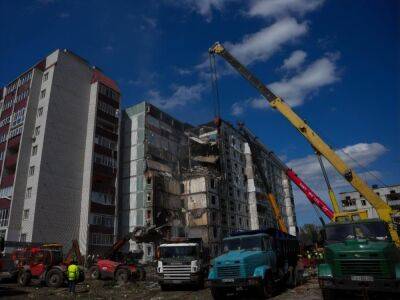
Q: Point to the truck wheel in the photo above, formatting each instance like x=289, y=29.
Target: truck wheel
x=165, y=287
x=328, y=294
x=54, y=278
x=24, y=278
x=122, y=275
x=266, y=290
x=218, y=293
x=94, y=273
x=141, y=274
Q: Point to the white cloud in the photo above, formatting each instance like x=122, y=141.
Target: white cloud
x=263, y=44
x=295, y=60
x=237, y=109
x=295, y=90
x=109, y=48
x=203, y=7
x=362, y=153
x=310, y=172
x=181, y=96
x=279, y=8
x=64, y=15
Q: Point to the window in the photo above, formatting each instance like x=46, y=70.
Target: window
x=45, y=76
x=16, y=131
x=3, y=137
x=1, y=155
x=102, y=220
x=28, y=193
x=18, y=117
x=40, y=111
x=26, y=214
x=43, y=94
x=31, y=170
x=212, y=183
x=4, y=217
x=213, y=199
x=37, y=131
x=182, y=186
x=102, y=198
x=22, y=237
x=363, y=202
x=105, y=160
x=148, y=250
x=105, y=142
x=34, y=150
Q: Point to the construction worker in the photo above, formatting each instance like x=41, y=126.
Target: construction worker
x=73, y=276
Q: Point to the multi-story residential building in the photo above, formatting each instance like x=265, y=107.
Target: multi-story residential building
x=199, y=181
x=59, y=125
x=352, y=201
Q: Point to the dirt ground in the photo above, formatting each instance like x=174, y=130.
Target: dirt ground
x=98, y=289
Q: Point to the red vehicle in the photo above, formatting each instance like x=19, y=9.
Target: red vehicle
x=45, y=263
x=121, y=267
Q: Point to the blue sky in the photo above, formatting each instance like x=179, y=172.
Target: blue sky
x=336, y=62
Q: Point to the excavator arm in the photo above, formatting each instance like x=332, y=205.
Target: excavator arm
x=383, y=209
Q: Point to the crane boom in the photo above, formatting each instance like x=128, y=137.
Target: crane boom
x=382, y=208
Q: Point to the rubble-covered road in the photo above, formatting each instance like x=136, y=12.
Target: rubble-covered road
x=97, y=289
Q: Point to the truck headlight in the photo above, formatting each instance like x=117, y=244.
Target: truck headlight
x=194, y=266
x=159, y=267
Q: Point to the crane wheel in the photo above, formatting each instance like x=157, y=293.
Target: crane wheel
x=122, y=275
x=54, y=278
x=24, y=278
x=94, y=273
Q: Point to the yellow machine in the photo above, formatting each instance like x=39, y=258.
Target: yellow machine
x=383, y=209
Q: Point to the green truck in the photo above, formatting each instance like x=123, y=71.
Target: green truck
x=359, y=255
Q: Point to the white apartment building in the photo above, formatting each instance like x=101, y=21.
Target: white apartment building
x=352, y=201
x=59, y=125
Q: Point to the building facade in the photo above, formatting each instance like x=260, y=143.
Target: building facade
x=197, y=181
x=352, y=201
x=59, y=128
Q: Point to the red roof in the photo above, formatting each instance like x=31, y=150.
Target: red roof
x=100, y=77
x=4, y=203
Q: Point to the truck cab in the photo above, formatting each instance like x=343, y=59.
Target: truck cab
x=254, y=260
x=181, y=263
x=359, y=256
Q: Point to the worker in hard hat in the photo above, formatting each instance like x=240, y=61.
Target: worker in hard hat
x=73, y=276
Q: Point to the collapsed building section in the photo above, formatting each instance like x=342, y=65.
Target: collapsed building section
x=197, y=182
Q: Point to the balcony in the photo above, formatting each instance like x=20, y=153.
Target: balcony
x=14, y=142
x=7, y=180
x=11, y=160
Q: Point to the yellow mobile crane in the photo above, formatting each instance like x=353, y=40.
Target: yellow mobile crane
x=383, y=209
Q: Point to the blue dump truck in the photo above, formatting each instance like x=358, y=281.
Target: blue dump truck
x=260, y=260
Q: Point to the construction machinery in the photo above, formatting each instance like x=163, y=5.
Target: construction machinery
x=383, y=209
x=46, y=263
x=359, y=254
x=182, y=261
x=123, y=268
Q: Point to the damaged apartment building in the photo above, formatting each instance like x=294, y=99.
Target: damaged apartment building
x=194, y=181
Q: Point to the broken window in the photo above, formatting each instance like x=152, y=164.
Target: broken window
x=212, y=183
x=213, y=199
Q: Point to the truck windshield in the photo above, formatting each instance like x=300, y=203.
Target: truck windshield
x=176, y=252
x=340, y=233
x=244, y=243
